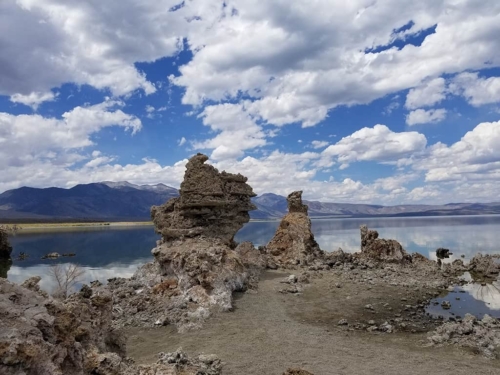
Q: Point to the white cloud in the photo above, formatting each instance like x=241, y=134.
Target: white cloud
x=34, y=99
x=32, y=145
x=182, y=141
x=236, y=130
x=149, y=109
x=475, y=157
x=422, y=116
x=373, y=144
x=297, y=62
x=429, y=93
x=319, y=144
x=46, y=43
x=477, y=90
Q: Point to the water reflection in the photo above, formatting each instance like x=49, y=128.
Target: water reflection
x=109, y=252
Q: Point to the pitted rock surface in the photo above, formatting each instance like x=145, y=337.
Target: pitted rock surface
x=44, y=336
x=41, y=335
x=381, y=249
x=211, y=204
x=293, y=243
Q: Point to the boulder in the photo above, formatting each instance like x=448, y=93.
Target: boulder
x=380, y=249
x=293, y=243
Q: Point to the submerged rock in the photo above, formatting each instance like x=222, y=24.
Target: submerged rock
x=5, y=248
x=293, y=243
x=381, y=249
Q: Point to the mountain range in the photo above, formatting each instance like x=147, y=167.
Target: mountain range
x=123, y=201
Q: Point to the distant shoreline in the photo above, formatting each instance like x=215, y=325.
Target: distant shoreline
x=30, y=227
x=38, y=226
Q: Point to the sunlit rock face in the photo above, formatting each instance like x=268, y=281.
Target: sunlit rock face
x=381, y=249
x=293, y=243
x=211, y=204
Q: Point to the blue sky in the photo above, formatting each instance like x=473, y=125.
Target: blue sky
x=384, y=102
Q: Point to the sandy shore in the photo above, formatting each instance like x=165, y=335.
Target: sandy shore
x=268, y=332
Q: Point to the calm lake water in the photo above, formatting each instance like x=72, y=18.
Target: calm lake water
x=117, y=252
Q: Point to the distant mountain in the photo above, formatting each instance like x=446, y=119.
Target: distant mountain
x=97, y=201
x=113, y=201
x=273, y=206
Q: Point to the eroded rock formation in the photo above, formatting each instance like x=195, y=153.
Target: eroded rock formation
x=41, y=335
x=380, y=249
x=211, y=204
x=196, y=266
x=293, y=243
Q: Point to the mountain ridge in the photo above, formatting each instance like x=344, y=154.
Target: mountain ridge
x=124, y=201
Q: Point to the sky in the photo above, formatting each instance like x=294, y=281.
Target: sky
x=362, y=101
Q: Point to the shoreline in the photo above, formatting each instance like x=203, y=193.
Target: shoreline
x=33, y=227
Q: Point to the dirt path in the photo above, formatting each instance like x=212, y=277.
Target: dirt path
x=269, y=332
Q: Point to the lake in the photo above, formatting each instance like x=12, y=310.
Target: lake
x=107, y=252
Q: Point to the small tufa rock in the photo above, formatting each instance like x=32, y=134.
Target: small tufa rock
x=293, y=243
x=292, y=279
x=342, y=322
x=443, y=253
x=446, y=305
x=86, y=291
x=51, y=256
x=378, y=249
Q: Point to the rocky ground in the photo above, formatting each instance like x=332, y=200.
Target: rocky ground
x=269, y=331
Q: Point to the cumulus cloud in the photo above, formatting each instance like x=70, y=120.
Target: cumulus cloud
x=32, y=145
x=182, y=141
x=475, y=157
x=422, y=116
x=236, y=131
x=374, y=144
x=46, y=43
x=298, y=62
x=477, y=90
x=319, y=144
x=428, y=94
x=34, y=99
